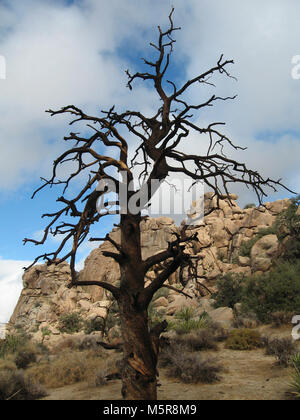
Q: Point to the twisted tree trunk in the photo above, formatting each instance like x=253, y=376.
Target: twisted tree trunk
x=140, y=359
x=139, y=351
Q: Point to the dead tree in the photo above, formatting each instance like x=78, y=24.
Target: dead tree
x=159, y=154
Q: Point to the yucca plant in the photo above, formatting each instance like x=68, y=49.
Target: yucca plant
x=295, y=361
x=295, y=384
x=187, y=322
x=185, y=314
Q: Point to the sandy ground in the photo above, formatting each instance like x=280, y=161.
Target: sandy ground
x=248, y=375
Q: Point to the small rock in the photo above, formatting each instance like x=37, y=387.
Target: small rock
x=162, y=301
x=223, y=316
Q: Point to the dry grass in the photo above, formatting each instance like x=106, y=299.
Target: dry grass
x=193, y=368
x=68, y=368
x=197, y=341
x=282, y=348
x=8, y=364
x=14, y=385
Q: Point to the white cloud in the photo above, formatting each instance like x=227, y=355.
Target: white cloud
x=55, y=56
x=58, y=55
x=11, y=286
x=262, y=38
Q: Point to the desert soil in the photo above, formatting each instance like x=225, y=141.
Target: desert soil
x=248, y=375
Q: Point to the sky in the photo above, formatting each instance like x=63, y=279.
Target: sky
x=76, y=52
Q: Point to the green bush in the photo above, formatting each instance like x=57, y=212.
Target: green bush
x=288, y=231
x=185, y=327
x=70, y=323
x=246, y=246
x=295, y=384
x=13, y=343
x=185, y=314
x=273, y=296
x=278, y=290
x=249, y=206
x=243, y=339
x=92, y=325
x=288, y=222
x=295, y=361
x=24, y=357
x=186, y=321
x=230, y=290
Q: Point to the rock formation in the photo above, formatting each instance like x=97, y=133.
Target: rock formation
x=46, y=296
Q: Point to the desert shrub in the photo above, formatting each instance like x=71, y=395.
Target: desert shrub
x=295, y=384
x=99, y=378
x=288, y=222
x=243, y=339
x=288, y=228
x=70, y=323
x=196, y=341
x=110, y=371
x=185, y=314
x=295, y=377
x=7, y=364
x=88, y=342
x=92, y=325
x=246, y=246
x=222, y=256
x=185, y=327
x=192, y=368
x=186, y=321
x=219, y=332
x=45, y=333
x=67, y=368
x=249, y=206
x=167, y=351
x=66, y=344
x=295, y=361
x=13, y=343
x=246, y=320
x=77, y=343
x=230, y=290
x=15, y=386
x=282, y=348
x=24, y=357
x=280, y=318
x=278, y=290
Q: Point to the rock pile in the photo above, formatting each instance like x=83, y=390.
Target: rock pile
x=46, y=296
